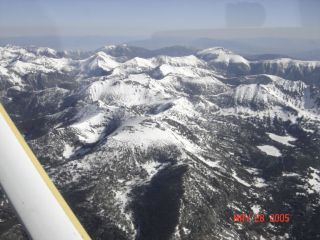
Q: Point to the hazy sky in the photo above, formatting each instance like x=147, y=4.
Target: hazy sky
x=144, y=17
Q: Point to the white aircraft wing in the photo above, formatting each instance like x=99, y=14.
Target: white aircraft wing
x=40, y=206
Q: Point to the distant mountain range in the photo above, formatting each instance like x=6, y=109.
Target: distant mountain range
x=298, y=43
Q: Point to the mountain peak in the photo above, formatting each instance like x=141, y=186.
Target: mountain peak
x=220, y=54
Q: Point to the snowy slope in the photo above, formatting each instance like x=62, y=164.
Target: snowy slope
x=221, y=58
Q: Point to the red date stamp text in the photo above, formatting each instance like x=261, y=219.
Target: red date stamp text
x=261, y=217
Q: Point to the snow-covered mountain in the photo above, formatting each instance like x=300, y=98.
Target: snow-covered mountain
x=169, y=147
x=221, y=58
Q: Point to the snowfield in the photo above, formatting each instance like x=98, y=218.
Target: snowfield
x=282, y=139
x=270, y=150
